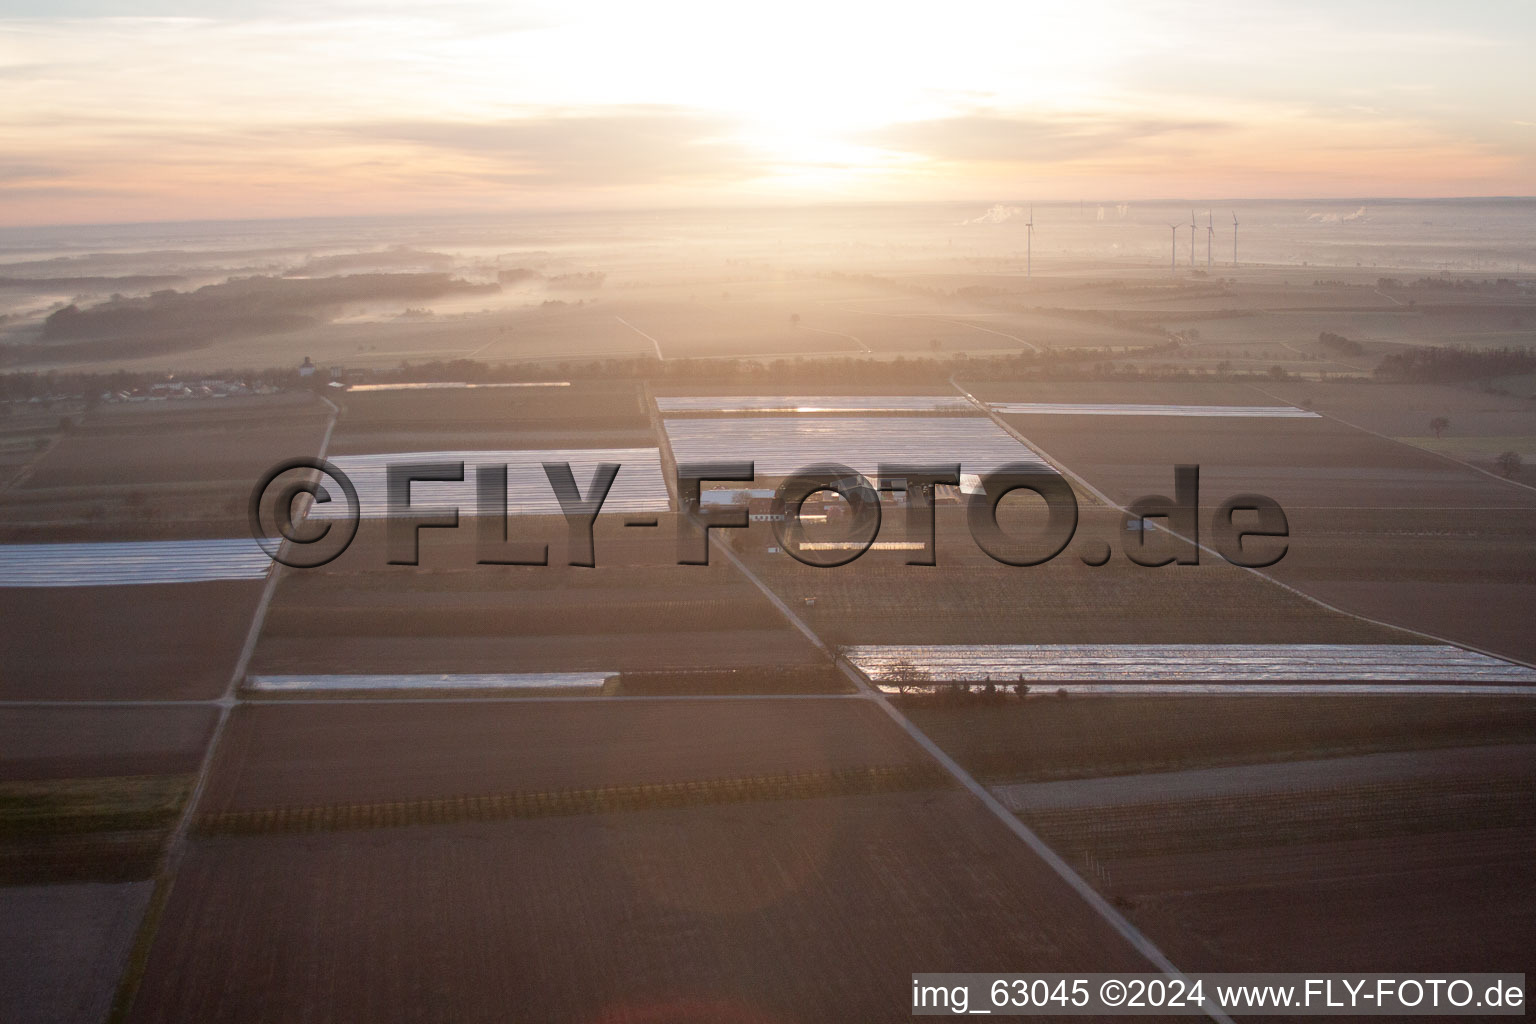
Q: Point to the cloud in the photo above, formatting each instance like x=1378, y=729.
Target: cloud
x=30, y=172
x=284, y=168
x=987, y=137
x=624, y=146
x=26, y=72
x=24, y=193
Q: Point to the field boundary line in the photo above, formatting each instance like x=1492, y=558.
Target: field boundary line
x=1000, y=334
x=1409, y=444
x=774, y=598
x=839, y=334
x=665, y=456
x=1116, y=920
x=1358, y=616
x=1096, y=902
x=297, y=697
x=574, y=699
x=656, y=344
x=664, y=441
x=947, y=319
x=86, y=702
x=176, y=842
x=24, y=473
x=1017, y=436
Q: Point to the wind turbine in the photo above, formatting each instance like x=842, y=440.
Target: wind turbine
x=1192, y=230
x=1029, y=244
x=1173, y=250
x=1234, y=238
x=1210, y=233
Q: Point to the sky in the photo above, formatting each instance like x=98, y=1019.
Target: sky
x=171, y=110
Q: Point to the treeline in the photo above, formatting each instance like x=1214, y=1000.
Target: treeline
x=246, y=305
x=1440, y=364
x=137, y=282
x=935, y=371
x=1502, y=285
x=1339, y=343
x=898, y=370
x=19, y=387
x=902, y=369
x=579, y=281
x=1066, y=365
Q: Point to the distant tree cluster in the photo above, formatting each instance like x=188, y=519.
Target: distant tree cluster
x=935, y=370
x=1440, y=364
x=1502, y=285
x=579, y=282
x=19, y=387
x=243, y=305
x=1340, y=344
x=932, y=371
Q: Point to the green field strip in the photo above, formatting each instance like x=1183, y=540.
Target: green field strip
x=76, y=806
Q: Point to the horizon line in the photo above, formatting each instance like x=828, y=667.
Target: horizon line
x=762, y=205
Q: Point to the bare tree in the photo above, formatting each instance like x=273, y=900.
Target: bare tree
x=904, y=675
x=1439, y=425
